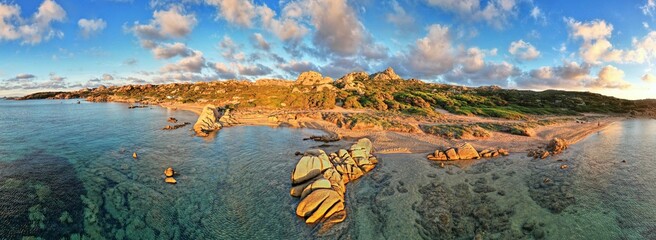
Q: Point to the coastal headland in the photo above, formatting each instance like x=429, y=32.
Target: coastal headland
x=398, y=115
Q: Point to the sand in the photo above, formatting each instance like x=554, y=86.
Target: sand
x=402, y=142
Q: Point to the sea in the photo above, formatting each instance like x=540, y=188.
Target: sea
x=67, y=172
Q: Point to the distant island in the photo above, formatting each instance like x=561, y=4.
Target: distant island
x=416, y=116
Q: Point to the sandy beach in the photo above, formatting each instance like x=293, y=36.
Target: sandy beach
x=418, y=142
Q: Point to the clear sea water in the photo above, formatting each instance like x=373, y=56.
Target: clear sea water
x=66, y=171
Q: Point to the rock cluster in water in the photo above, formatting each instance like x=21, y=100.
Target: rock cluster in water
x=319, y=180
x=169, y=176
x=555, y=146
x=465, y=152
x=212, y=119
x=176, y=126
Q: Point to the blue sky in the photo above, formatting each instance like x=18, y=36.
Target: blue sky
x=598, y=46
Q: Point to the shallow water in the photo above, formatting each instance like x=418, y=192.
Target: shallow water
x=66, y=170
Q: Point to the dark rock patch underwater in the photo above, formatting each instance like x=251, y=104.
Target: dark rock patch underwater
x=40, y=196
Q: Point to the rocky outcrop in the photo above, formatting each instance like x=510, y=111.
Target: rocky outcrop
x=210, y=120
x=169, y=172
x=554, y=147
x=176, y=126
x=388, y=74
x=319, y=180
x=557, y=145
x=311, y=78
x=352, y=82
x=465, y=152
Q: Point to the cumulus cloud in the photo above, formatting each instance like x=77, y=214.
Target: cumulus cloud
x=297, y=67
x=56, y=78
x=107, y=77
x=260, y=42
x=240, y=12
x=523, y=51
x=595, y=34
x=231, y=50
x=172, y=23
x=398, y=16
x=287, y=28
x=337, y=28
x=194, y=63
x=609, y=77
x=496, y=13
x=567, y=75
x=223, y=71
x=648, y=77
x=166, y=51
x=487, y=74
x=90, y=27
x=33, y=30
x=253, y=70
x=433, y=54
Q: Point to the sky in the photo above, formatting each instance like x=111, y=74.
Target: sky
x=607, y=47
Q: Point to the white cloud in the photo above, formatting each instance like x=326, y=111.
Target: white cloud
x=297, y=67
x=231, y=50
x=523, y=51
x=609, y=77
x=193, y=63
x=337, y=28
x=398, y=16
x=260, y=42
x=240, y=12
x=172, y=23
x=166, y=51
x=253, y=70
x=223, y=71
x=596, y=47
x=433, y=54
x=568, y=75
x=90, y=27
x=648, y=77
x=286, y=28
x=34, y=30
x=496, y=13
x=649, y=7
x=107, y=77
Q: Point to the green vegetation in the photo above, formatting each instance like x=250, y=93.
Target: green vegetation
x=396, y=96
x=456, y=131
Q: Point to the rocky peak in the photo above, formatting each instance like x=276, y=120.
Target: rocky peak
x=312, y=78
x=388, y=74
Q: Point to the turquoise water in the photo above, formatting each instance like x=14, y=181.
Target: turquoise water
x=66, y=171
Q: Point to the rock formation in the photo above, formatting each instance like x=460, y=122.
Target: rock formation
x=176, y=126
x=172, y=120
x=169, y=176
x=352, y=82
x=207, y=121
x=311, y=78
x=465, y=152
x=319, y=180
x=555, y=146
x=388, y=74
